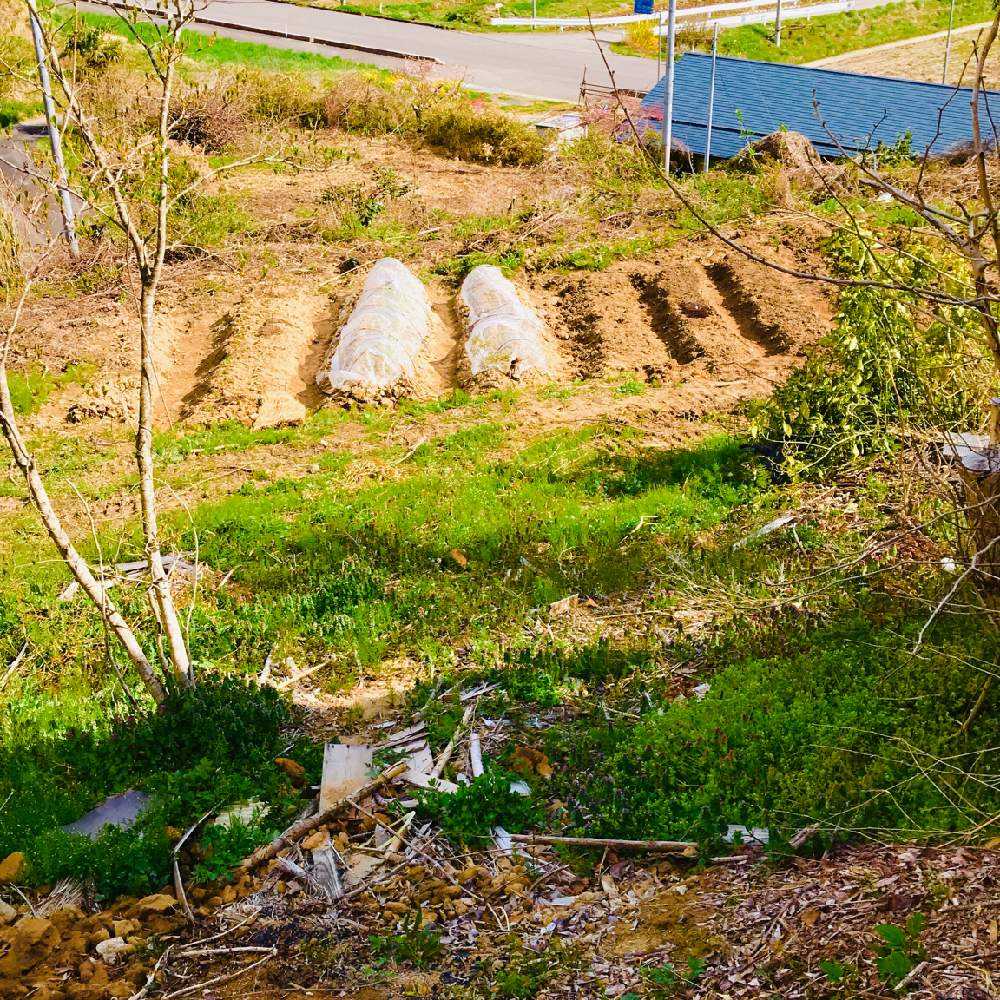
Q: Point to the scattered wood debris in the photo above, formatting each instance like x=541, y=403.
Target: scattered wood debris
x=362, y=869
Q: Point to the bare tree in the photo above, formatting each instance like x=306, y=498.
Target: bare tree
x=144, y=222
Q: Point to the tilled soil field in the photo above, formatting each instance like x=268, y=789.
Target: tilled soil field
x=253, y=354
x=246, y=339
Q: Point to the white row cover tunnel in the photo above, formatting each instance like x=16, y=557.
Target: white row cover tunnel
x=379, y=346
x=505, y=336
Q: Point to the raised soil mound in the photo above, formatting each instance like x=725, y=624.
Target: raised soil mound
x=791, y=149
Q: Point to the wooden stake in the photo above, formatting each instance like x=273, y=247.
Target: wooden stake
x=659, y=846
x=298, y=830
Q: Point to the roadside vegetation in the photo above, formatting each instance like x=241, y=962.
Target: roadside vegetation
x=703, y=663
x=804, y=41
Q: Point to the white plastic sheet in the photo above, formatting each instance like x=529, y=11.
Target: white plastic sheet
x=379, y=343
x=505, y=336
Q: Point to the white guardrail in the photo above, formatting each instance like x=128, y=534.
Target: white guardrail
x=792, y=13
x=706, y=14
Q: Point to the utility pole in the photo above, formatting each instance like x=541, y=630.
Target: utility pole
x=777, y=25
x=668, y=93
x=55, y=139
x=711, y=98
x=947, y=44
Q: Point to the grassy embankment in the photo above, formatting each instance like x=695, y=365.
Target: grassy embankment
x=817, y=710
x=804, y=41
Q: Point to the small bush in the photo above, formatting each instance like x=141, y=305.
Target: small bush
x=436, y=114
x=366, y=201
x=215, y=112
x=205, y=749
x=415, y=945
x=482, y=136
x=476, y=808
x=616, y=171
x=90, y=48
x=883, y=370
x=360, y=104
x=280, y=97
x=210, y=117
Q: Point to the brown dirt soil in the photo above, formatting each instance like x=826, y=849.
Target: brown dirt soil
x=685, y=316
x=920, y=59
x=244, y=339
x=261, y=360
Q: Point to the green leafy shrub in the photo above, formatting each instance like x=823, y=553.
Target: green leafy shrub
x=815, y=732
x=486, y=802
x=118, y=861
x=367, y=201
x=207, y=748
x=224, y=847
x=883, y=370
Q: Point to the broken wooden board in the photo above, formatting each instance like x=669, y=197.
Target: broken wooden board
x=422, y=780
x=345, y=769
x=420, y=761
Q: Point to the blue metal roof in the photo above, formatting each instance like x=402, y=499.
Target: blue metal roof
x=753, y=99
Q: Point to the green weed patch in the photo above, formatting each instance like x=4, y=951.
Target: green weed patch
x=839, y=726
x=207, y=749
x=884, y=371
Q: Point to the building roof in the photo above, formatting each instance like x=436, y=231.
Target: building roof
x=753, y=99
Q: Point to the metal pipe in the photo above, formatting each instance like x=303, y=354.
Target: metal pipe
x=777, y=25
x=711, y=100
x=947, y=44
x=55, y=140
x=668, y=93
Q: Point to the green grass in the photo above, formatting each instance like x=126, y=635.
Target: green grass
x=472, y=14
x=216, y=51
x=12, y=112
x=368, y=568
x=360, y=574
x=816, y=709
x=805, y=41
x=30, y=389
x=353, y=575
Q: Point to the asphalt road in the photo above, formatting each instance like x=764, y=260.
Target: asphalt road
x=543, y=64
x=31, y=204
